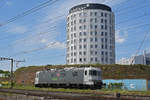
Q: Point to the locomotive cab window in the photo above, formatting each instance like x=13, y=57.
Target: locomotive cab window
x=86, y=72
x=94, y=73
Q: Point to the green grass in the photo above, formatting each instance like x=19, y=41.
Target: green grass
x=93, y=92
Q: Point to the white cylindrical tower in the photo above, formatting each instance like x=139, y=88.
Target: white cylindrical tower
x=90, y=35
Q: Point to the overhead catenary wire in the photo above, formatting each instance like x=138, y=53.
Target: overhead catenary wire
x=141, y=44
x=123, y=11
x=126, y=21
x=132, y=6
x=30, y=11
x=46, y=21
x=133, y=19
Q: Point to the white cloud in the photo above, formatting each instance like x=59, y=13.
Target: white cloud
x=57, y=45
x=121, y=38
x=55, y=15
x=17, y=29
x=9, y=3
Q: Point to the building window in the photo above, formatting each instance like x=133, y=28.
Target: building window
x=95, y=32
x=80, y=59
x=84, y=33
x=102, y=27
x=95, y=52
x=68, y=61
x=95, y=20
x=80, y=34
x=91, y=33
x=91, y=59
x=111, y=54
x=91, y=46
x=91, y=20
x=85, y=14
x=71, y=53
x=71, y=16
x=75, y=60
x=71, y=41
x=74, y=53
x=84, y=39
x=95, y=39
x=80, y=46
x=95, y=26
x=80, y=53
x=71, y=29
x=105, y=27
x=105, y=46
x=91, y=39
x=74, y=21
x=102, y=46
x=106, y=59
x=95, y=46
x=105, y=21
x=102, y=59
x=106, y=53
x=80, y=27
x=80, y=20
x=105, y=14
x=84, y=27
x=80, y=40
x=71, y=36
x=84, y=59
x=74, y=28
x=74, y=15
x=102, y=34
x=95, y=13
x=84, y=20
x=71, y=47
x=95, y=59
x=75, y=48
x=102, y=14
x=102, y=40
x=105, y=40
x=84, y=53
x=105, y=33
x=91, y=13
x=91, y=52
x=102, y=53
x=80, y=14
x=101, y=20
x=91, y=26
x=84, y=46
x=74, y=34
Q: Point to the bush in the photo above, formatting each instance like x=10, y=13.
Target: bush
x=115, y=85
x=5, y=83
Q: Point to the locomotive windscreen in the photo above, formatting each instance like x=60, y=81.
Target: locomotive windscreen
x=94, y=73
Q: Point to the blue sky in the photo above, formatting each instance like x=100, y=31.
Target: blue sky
x=40, y=37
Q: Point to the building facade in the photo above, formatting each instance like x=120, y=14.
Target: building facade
x=90, y=35
x=143, y=59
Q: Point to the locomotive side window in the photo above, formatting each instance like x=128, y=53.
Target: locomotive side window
x=86, y=72
x=75, y=74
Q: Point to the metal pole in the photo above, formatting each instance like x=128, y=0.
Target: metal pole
x=12, y=73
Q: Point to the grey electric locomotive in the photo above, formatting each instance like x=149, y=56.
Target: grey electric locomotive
x=70, y=77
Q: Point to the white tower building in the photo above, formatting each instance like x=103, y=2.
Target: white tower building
x=90, y=35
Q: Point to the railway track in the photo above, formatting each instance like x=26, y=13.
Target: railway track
x=72, y=96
